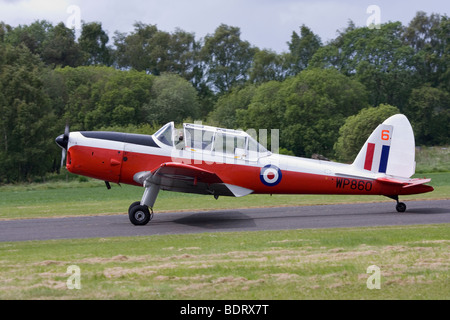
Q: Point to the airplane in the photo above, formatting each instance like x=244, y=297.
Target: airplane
x=215, y=161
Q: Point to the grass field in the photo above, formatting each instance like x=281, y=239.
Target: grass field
x=432, y=159
x=299, y=264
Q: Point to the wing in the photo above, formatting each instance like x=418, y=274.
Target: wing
x=179, y=177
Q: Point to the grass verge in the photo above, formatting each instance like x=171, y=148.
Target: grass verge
x=296, y=264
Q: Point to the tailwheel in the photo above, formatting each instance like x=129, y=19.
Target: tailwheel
x=401, y=207
x=140, y=215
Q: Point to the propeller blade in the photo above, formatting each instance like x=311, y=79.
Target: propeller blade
x=63, y=142
x=63, y=157
x=66, y=132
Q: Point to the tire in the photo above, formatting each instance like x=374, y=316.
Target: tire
x=137, y=203
x=139, y=215
x=401, y=207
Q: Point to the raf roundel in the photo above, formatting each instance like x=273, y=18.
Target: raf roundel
x=270, y=175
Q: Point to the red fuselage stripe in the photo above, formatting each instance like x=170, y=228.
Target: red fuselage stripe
x=103, y=164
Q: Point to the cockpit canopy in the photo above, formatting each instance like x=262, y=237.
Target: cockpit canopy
x=201, y=138
x=166, y=134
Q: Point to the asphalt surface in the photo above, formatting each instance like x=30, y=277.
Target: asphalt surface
x=328, y=216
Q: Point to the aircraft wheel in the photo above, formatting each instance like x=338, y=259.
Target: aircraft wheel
x=401, y=207
x=134, y=204
x=140, y=215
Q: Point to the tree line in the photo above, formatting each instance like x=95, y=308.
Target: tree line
x=316, y=93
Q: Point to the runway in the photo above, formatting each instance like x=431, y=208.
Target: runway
x=283, y=218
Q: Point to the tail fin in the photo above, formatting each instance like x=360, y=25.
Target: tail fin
x=390, y=149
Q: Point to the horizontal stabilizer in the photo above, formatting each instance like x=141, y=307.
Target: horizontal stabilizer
x=404, y=183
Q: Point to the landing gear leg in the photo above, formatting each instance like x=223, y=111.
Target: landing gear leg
x=141, y=213
x=401, y=207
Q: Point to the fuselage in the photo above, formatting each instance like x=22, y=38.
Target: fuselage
x=117, y=157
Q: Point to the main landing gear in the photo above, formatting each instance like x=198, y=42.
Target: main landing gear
x=401, y=207
x=140, y=215
x=141, y=212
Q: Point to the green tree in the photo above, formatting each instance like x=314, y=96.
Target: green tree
x=60, y=48
x=226, y=58
x=4, y=30
x=302, y=48
x=267, y=66
x=429, y=112
x=422, y=31
x=94, y=97
x=266, y=109
x=135, y=50
x=121, y=100
x=357, y=129
x=153, y=51
x=444, y=64
x=226, y=107
x=317, y=102
x=183, y=55
x=378, y=58
x=93, y=42
x=429, y=37
x=33, y=36
x=173, y=99
x=26, y=119
x=76, y=92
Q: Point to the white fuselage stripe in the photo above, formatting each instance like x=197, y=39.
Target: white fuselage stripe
x=288, y=163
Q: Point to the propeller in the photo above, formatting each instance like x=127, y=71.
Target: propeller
x=63, y=142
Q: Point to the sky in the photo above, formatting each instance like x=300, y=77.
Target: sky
x=267, y=24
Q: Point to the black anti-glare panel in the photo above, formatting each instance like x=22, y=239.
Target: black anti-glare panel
x=139, y=139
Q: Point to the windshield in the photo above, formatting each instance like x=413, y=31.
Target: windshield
x=165, y=134
x=254, y=146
